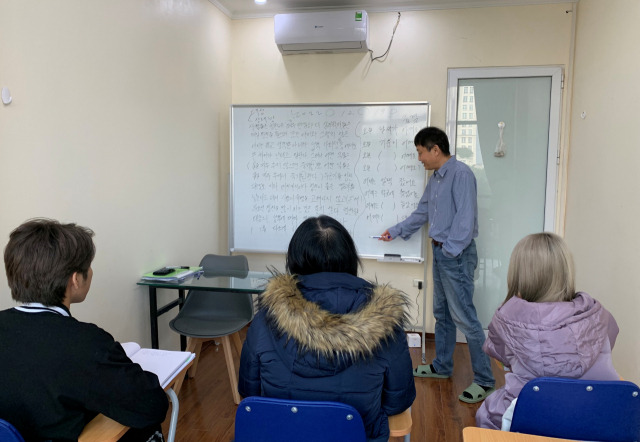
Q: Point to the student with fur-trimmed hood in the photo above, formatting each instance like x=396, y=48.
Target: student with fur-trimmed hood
x=324, y=334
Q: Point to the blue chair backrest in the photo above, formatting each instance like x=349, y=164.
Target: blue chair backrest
x=8, y=432
x=579, y=409
x=261, y=419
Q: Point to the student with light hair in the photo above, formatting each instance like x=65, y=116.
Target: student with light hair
x=544, y=327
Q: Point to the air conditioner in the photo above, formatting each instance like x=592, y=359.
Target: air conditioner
x=318, y=32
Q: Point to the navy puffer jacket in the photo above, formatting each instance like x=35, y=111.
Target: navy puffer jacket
x=331, y=337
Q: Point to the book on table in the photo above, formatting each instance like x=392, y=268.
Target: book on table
x=175, y=274
x=166, y=364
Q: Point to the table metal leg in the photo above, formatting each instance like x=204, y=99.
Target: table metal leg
x=183, y=339
x=153, y=316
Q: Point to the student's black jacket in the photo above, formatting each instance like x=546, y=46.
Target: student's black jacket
x=57, y=373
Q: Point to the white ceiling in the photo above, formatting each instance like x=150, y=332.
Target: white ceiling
x=239, y=9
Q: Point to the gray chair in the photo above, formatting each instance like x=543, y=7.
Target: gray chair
x=209, y=315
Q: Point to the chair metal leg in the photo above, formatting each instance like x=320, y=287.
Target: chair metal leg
x=231, y=368
x=175, y=408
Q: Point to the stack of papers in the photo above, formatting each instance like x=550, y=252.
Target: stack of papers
x=178, y=274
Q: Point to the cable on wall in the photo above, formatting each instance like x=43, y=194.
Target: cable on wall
x=390, y=41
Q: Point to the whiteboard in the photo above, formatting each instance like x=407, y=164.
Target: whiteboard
x=354, y=162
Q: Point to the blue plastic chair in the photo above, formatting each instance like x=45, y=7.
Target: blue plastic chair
x=261, y=419
x=579, y=409
x=8, y=432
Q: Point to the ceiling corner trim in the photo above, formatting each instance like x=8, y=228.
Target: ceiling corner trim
x=224, y=10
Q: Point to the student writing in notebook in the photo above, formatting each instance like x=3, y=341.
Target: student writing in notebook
x=544, y=327
x=57, y=373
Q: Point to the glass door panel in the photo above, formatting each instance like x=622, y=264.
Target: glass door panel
x=502, y=131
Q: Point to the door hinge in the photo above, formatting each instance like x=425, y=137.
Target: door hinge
x=562, y=80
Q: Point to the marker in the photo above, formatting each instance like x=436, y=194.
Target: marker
x=375, y=237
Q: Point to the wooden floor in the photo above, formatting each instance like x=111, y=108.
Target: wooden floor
x=207, y=410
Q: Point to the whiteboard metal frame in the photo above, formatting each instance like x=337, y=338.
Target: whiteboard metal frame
x=281, y=105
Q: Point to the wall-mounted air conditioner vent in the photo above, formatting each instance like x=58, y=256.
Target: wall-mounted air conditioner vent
x=317, y=32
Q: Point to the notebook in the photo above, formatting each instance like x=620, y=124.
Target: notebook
x=165, y=364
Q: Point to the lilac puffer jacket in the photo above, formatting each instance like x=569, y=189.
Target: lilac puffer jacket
x=557, y=339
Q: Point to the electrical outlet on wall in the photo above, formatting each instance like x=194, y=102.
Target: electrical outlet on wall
x=413, y=339
x=417, y=283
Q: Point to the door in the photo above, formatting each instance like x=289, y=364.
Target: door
x=504, y=124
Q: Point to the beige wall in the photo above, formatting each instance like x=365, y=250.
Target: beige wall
x=119, y=114
x=426, y=44
x=602, y=197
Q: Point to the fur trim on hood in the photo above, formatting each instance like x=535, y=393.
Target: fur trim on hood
x=356, y=335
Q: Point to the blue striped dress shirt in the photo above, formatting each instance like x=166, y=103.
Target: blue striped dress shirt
x=450, y=205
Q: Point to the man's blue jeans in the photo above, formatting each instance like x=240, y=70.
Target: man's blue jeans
x=453, y=307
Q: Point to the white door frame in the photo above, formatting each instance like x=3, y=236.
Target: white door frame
x=553, y=152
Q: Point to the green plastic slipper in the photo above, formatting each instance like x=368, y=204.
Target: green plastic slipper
x=477, y=394
x=424, y=371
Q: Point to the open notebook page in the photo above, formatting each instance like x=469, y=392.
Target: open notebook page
x=164, y=363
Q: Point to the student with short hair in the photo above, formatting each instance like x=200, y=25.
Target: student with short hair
x=58, y=373
x=324, y=334
x=544, y=327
